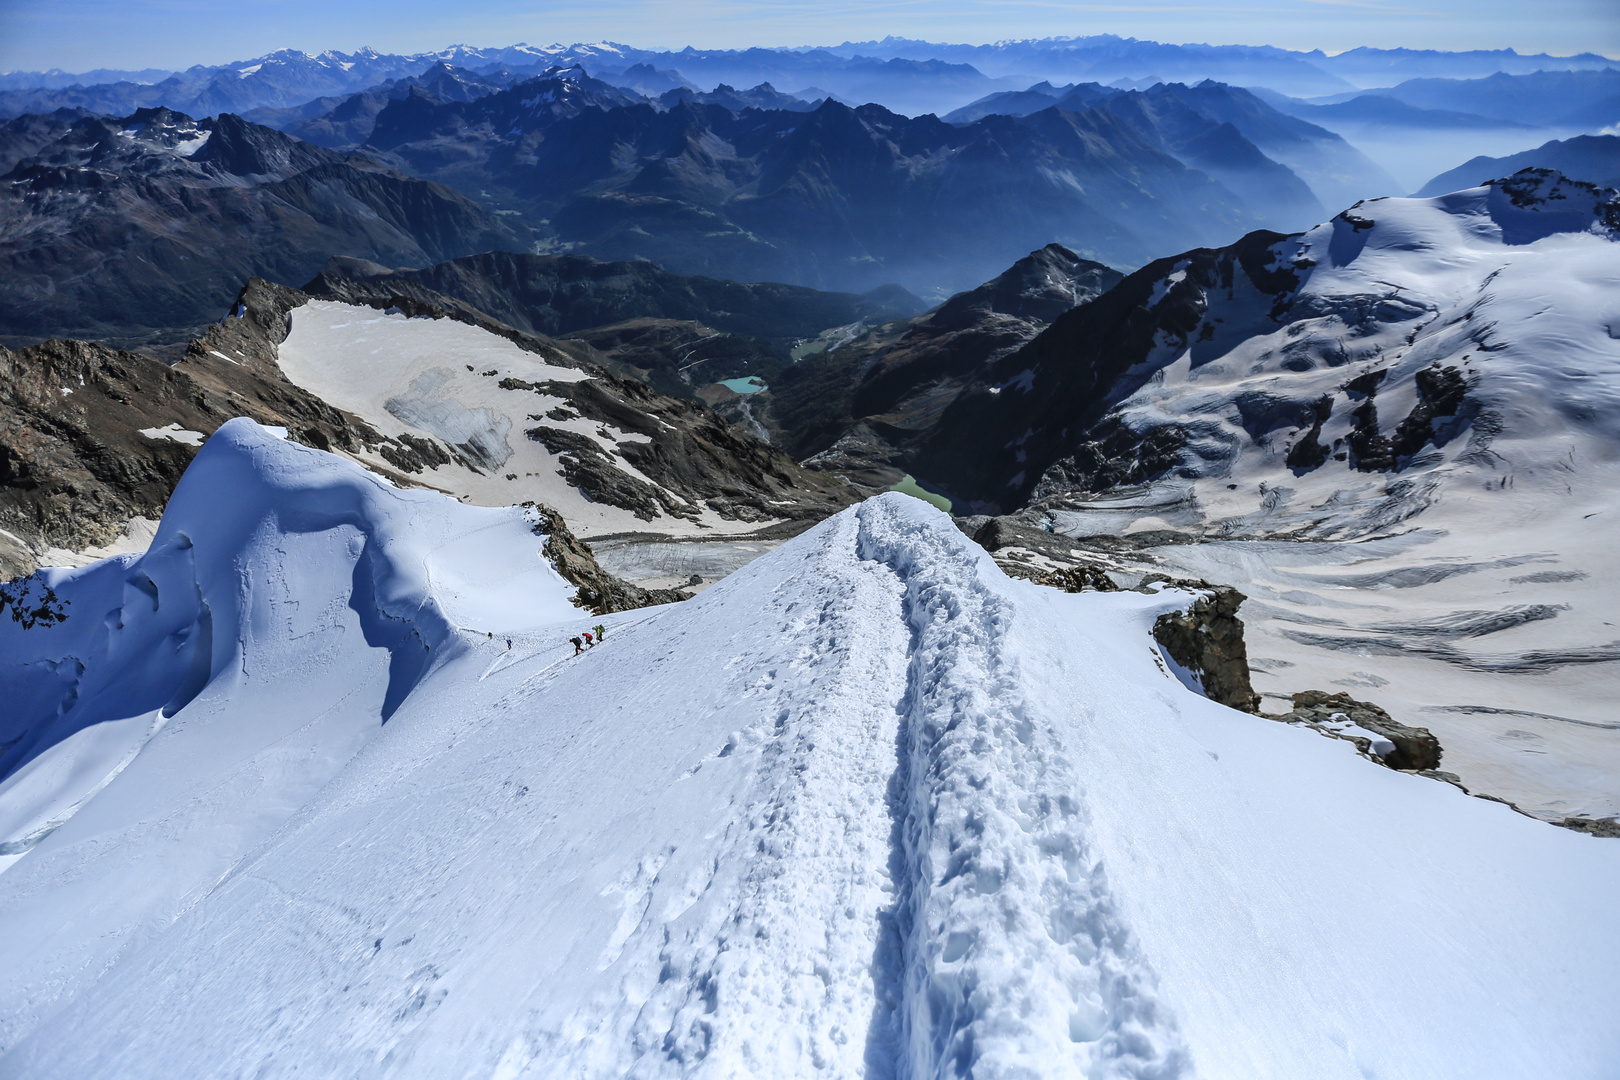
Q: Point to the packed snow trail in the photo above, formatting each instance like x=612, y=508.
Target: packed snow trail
x=1015, y=959
x=866, y=807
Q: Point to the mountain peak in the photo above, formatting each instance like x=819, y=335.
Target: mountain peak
x=251, y=150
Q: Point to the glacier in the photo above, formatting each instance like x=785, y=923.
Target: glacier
x=1466, y=582
x=316, y=785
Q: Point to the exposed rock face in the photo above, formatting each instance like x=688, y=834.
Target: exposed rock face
x=599, y=591
x=862, y=410
x=588, y=467
x=73, y=466
x=1594, y=826
x=1415, y=749
x=1207, y=639
x=1076, y=579
x=983, y=324
x=690, y=450
x=146, y=225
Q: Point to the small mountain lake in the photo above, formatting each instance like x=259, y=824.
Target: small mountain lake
x=750, y=384
x=909, y=486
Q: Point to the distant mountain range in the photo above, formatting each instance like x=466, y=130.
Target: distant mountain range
x=287, y=78
x=1538, y=99
x=1226, y=131
x=748, y=185
x=1105, y=57
x=849, y=199
x=147, y=224
x=901, y=74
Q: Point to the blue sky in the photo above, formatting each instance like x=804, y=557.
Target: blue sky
x=82, y=34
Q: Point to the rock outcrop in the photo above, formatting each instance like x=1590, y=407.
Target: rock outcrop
x=1411, y=749
x=1207, y=639
x=599, y=591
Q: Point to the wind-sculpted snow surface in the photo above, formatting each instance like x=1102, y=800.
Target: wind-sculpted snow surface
x=287, y=606
x=866, y=807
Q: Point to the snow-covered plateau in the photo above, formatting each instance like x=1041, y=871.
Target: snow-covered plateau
x=280, y=799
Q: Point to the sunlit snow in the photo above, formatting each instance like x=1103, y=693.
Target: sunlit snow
x=866, y=807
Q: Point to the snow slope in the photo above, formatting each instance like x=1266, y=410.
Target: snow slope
x=866, y=807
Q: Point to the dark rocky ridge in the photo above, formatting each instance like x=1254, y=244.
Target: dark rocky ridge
x=862, y=410
x=1076, y=368
x=144, y=227
x=599, y=591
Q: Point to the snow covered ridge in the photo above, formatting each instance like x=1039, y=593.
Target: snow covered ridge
x=255, y=524
x=1493, y=304
x=867, y=807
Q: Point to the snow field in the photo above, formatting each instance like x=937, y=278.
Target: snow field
x=440, y=378
x=224, y=676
